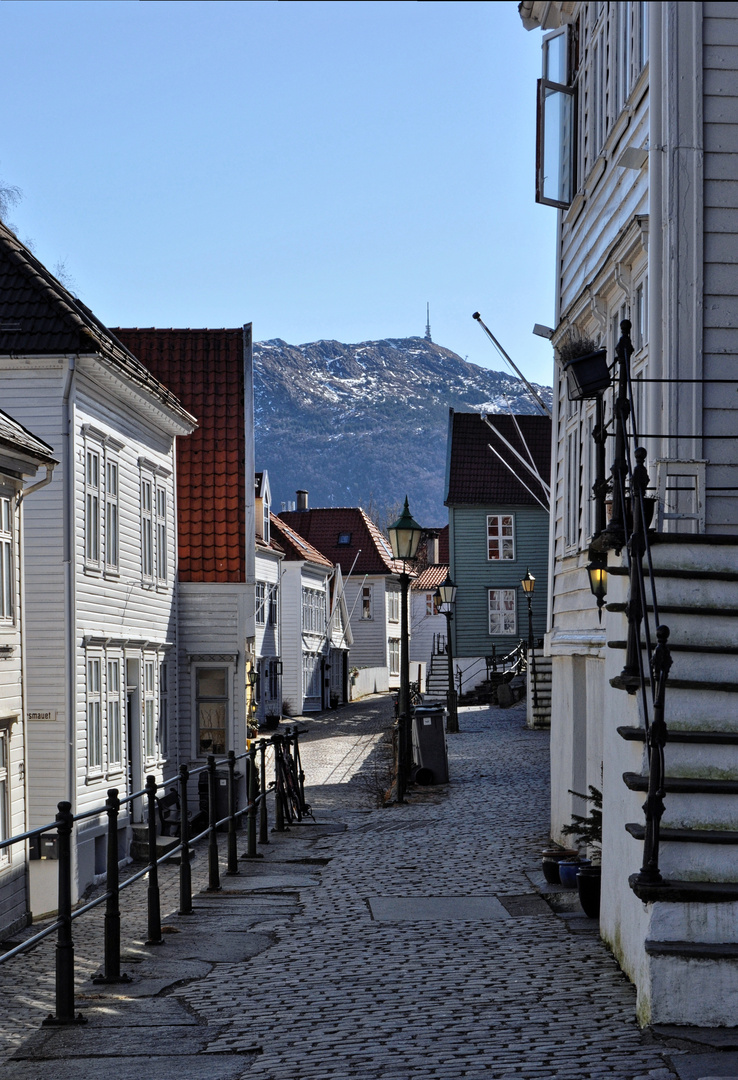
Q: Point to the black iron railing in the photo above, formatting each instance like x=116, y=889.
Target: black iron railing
x=170, y=810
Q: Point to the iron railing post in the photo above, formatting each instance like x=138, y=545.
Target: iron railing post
x=232, y=851
x=185, y=870
x=64, y=942
x=153, y=898
x=657, y=735
x=278, y=786
x=213, y=869
x=298, y=766
x=631, y=677
x=263, y=821
x=617, y=529
x=111, y=969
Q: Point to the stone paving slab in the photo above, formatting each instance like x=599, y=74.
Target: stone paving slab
x=169, y=1067
x=436, y=909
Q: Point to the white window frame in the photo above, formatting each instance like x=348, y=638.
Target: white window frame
x=497, y=526
x=94, y=462
x=147, y=488
x=313, y=610
x=7, y=561
x=260, y=603
x=573, y=493
x=95, y=746
x=367, y=602
x=114, y=709
x=215, y=700
x=503, y=620
x=5, y=816
x=163, y=708
x=112, y=513
x=272, y=605
x=393, y=655
x=393, y=604
x=149, y=703
x=311, y=688
x=161, y=512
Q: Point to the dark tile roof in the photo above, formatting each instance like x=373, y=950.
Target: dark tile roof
x=296, y=546
x=14, y=437
x=38, y=316
x=476, y=476
x=323, y=526
x=205, y=369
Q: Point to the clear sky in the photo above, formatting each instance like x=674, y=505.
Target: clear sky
x=319, y=169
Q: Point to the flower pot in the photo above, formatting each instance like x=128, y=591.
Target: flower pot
x=589, y=881
x=587, y=376
x=551, y=858
x=568, y=871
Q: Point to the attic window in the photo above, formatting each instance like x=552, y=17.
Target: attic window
x=344, y=538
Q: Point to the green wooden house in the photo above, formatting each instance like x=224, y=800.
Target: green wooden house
x=497, y=494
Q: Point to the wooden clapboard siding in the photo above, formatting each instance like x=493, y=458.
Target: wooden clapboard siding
x=370, y=635
x=474, y=574
x=720, y=254
x=292, y=635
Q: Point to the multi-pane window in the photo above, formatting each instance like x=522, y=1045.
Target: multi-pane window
x=260, y=603
x=366, y=602
x=573, y=488
x=311, y=676
x=394, y=656
x=500, y=536
x=147, y=528
x=432, y=603
x=6, y=559
x=115, y=740
x=212, y=709
x=112, y=528
x=94, y=714
x=92, y=507
x=313, y=611
x=161, y=534
x=502, y=613
x=163, y=710
x=149, y=709
x=272, y=610
x=4, y=794
x=393, y=605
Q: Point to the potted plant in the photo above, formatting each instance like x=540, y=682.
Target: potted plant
x=551, y=857
x=587, y=829
x=585, y=365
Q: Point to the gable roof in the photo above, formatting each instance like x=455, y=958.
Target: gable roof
x=477, y=477
x=323, y=526
x=296, y=546
x=38, y=316
x=431, y=577
x=205, y=368
x=15, y=439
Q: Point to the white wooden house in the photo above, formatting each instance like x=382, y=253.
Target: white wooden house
x=21, y=455
x=638, y=131
x=211, y=371
x=316, y=636
x=349, y=539
x=100, y=559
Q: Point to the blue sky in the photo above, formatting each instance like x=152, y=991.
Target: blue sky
x=319, y=169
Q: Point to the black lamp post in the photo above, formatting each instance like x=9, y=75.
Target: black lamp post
x=404, y=535
x=253, y=679
x=597, y=573
x=447, y=596
x=529, y=584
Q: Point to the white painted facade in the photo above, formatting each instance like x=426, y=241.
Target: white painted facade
x=649, y=235
x=373, y=603
x=268, y=639
x=100, y=580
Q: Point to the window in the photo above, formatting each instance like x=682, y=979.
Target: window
x=393, y=605
x=432, y=603
x=6, y=560
x=394, y=656
x=212, y=709
x=313, y=611
x=114, y=709
x=366, y=602
x=272, y=612
x=573, y=488
x=344, y=538
x=92, y=507
x=556, y=141
x=112, y=530
x=4, y=800
x=94, y=715
x=163, y=710
x=260, y=603
x=161, y=534
x=500, y=536
x=147, y=529
x=311, y=677
x=502, y=611
x=149, y=709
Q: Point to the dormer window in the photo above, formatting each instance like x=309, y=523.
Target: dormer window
x=344, y=539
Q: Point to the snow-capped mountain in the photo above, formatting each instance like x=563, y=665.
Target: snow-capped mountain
x=367, y=424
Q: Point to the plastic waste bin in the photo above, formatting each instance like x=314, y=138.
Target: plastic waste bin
x=429, y=744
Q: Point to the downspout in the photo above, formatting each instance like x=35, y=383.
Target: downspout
x=655, y=422
x=174, y=718
x=69, y=575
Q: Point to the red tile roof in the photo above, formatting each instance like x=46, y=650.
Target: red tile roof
x=204, y=368
x=443, y=554
x=294, y=545
x=431, y=577
x=323, y=526
x=476, y=474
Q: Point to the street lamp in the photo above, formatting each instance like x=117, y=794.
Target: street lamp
x=252, y=677
x=447, y=597
x=404, y=535
x=597, y=572
x=529, y=584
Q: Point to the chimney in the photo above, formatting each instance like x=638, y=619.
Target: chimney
x=302, y=499
x=432, y=550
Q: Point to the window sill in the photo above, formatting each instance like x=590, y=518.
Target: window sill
x=111, y=575
x=92, y=571
x=95, y=777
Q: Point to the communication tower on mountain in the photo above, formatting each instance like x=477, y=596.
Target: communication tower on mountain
x=427, y=323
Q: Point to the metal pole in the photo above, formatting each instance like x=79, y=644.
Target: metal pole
x=600, y=486
x=213, y=870
x=452, y=720
x=263, y=822
x=232, y=852
x=278, y=787
x=111, y=969
x=64, y=943
x=403, y=731
x=154, y=906
x=657, y=735
x=617, y=528
x=185, y=870
x=251, y=786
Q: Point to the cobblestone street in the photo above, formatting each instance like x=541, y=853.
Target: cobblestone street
x=389, y=943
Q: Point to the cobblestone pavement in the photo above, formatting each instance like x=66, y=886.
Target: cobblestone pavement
x=375, y=942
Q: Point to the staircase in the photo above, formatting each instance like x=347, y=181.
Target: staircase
x=436, y=680
x=667, y=935
x=539, y=690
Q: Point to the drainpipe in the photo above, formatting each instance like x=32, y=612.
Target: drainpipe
x=69, y=574
x=656, y=421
